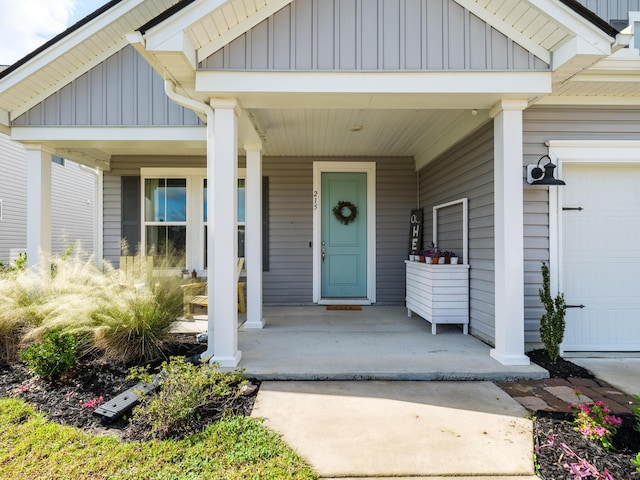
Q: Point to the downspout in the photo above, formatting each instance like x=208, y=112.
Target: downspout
x=190, y=103
x=202, y=108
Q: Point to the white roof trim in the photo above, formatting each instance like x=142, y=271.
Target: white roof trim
x=66, y=43
x=180, y=21
x=595, y=151
x=115, y=134
x=230, y=83
x=561, y=100
x=242, y=27
x=482, y=13
x=566, y=19
x=159, y=37
x=54, y=87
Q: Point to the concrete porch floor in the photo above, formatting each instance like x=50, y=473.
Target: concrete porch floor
x=375, y=343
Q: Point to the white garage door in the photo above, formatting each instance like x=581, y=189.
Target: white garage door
x=601, y=257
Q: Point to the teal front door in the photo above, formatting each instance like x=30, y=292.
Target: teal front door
x=344, y=235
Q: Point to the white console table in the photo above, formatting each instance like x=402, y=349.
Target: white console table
x=438, y=293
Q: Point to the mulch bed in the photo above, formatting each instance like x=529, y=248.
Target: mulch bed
x=62, y=401
x=559, y=445
x=555, y=438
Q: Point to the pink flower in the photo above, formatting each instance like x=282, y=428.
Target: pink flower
x=93, y=403
x=23, y=388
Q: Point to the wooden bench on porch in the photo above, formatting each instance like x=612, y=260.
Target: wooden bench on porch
x=193, y=293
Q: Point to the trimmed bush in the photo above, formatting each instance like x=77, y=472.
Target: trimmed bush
x=51, y=358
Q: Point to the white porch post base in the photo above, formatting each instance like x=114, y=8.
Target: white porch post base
x=253, y=242
x=508, y=233
x=226, y=362
x=222, y=241
x=38, y=205
x=509, y=359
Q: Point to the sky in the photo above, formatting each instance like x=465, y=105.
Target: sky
x=27, y=24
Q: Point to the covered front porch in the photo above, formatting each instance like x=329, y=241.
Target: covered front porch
x=375, y=343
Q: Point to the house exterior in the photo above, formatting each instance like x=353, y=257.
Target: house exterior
x=226, y=128
x=73, y=203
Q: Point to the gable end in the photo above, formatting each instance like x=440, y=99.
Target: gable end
x=416, y=35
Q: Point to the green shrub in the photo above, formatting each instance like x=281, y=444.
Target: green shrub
x=184, y=389
x=636, y=462
x=552, y=323
x=51, y=358
x=19, y=264
x=636, y=411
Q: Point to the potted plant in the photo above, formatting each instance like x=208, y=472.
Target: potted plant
x=450, y=257
x=434, y=253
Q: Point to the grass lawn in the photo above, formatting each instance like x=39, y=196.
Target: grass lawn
x=234, y=448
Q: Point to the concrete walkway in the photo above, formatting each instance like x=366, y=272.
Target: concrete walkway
x=621, y=372
x=401, y=429
x=384, y=428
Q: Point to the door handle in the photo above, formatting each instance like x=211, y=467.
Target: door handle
x=324, y=253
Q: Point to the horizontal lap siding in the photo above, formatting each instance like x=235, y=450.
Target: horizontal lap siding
x=396, y=197
x=122, y=90
x=466, y=170
x=73, y=207
x=386, y=35
x=289, y=279
x=13, y=193
x=542, y=124
x=112, y=216
x=290, y=276
x=72, y=203
x=112, y=208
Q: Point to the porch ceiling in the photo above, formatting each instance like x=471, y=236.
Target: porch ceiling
x=362, y=132
x=416, y=133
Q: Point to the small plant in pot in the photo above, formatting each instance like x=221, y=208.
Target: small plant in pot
x=434, y=253
x=450, y=257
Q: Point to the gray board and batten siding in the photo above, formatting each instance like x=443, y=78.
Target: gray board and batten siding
x=121, y=91
x=466, y=171
x=289, y=279
x=611, y=10
x=352, y=35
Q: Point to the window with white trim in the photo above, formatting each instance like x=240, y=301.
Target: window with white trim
x=165, y=216
x=174, y=214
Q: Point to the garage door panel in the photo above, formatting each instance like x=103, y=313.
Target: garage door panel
x=601, y=257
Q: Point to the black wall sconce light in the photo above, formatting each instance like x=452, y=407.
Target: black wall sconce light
x=536, y=176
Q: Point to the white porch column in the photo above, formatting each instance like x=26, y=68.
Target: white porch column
x=253, y=236
x=222, y=240
x=508, y=230
x=38, y=204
